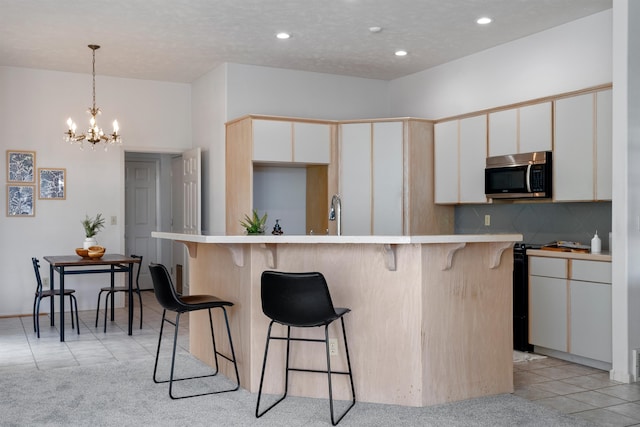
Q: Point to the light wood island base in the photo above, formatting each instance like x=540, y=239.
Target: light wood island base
x=431, y=318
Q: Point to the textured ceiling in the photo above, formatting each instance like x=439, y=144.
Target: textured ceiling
x=180, y=40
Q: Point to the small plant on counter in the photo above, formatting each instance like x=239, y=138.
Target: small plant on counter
x=254, y=224
x=92, y=225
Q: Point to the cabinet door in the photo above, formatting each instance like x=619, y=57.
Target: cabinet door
x=574, y=145
x=272, y=141
x=603, y=145
x=355, y=178
x=446, y=162
x=311, y=143
x=388, y=167
x=591, y=320
x=535, y=128
x=473, y=154
x=548, y=312
x=503, y=132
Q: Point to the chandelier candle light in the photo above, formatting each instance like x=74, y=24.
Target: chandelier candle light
x=94, y=134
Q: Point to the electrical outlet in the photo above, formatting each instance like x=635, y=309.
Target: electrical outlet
x=114, y=220
x=45, y=281
x=333, y=347
x=487, y=220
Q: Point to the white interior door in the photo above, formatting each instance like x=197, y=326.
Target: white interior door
x=191, y=181
x=141, y=214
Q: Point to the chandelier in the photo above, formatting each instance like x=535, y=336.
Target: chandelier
x=94, y=134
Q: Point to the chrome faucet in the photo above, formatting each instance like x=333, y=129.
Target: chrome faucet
x=335, y=213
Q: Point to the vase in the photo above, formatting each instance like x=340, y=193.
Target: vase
x=89, y=241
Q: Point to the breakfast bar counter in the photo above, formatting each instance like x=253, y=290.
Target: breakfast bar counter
x=431, y=318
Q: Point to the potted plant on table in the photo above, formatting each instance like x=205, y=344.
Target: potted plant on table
x=91, y=227
x=254, y=224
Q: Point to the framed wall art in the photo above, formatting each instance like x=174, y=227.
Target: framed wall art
x=51, y=183
x=21, y=200
x=21, y=166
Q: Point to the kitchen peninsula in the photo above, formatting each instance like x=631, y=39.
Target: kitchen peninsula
x=431, y=318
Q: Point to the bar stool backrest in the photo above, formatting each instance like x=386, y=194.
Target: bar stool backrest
x=163, y=288
x=297, y=299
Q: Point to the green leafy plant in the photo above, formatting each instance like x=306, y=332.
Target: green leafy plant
x=92, y=225
x=254, y=224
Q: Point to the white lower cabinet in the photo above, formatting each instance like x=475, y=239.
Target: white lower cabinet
x=548, y=312
x=590, y=290
x=570, y=306
x=591, y=320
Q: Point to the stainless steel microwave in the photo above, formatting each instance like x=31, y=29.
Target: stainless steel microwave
x=519, y=176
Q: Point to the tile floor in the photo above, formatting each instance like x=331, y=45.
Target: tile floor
x=578, y=390
x=21, y=349
x=570, y=388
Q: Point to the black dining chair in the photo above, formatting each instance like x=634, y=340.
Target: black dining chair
x=111, y=292
x=170, y=300
x=301, y=300
x=50, y=293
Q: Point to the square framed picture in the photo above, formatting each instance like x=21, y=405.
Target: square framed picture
x=51, y=183
x=21, y=166
x=21, y=200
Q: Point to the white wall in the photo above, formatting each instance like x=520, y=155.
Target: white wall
x=565, y=58
x=281, y=192
x=209, y=114
x=34, y=106
x=280, y=92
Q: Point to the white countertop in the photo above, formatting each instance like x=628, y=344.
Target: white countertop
x=333, y=239
x=604, y=256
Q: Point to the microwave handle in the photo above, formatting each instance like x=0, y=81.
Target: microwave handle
x=529, y=178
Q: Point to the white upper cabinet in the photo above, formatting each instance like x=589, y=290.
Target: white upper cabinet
x=371, y=178
x=285, y=142
x=520, y=130
x=473, y=154
x=460, y=155
x=312, y=143
x=388, y=167
x=272, y=141
x=582, y=152
x=535, y=128
x=503, y=132
x=446, y=161
x=604, y=162
x=355, y=178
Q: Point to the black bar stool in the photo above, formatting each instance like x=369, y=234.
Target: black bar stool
x=170, y=300
x=301, y=300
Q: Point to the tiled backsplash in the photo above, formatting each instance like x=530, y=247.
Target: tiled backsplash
x=539, y=222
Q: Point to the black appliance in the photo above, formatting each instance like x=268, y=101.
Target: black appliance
x=521, y=297
x=519, y=176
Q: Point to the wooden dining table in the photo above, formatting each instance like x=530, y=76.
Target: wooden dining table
x=111, y=264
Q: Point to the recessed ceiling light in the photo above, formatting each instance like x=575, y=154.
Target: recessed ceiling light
x=484, y=20
x=401, y=53
x=283, y=36
x=375, y=29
